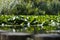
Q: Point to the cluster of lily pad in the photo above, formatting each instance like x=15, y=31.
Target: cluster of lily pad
x=22, y=23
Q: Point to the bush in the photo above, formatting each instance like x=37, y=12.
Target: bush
x=28, y=23
x=30, y=7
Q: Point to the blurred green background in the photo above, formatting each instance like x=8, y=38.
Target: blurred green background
x=30, y=7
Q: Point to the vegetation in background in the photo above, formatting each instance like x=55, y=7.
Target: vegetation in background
x=30, y=7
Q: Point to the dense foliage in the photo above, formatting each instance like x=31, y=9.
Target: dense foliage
x=30, y=7
x=30, y=15
x=28, y=23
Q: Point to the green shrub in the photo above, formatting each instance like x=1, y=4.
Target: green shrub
x=27, y=23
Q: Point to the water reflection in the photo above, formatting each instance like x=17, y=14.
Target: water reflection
x=27, y=28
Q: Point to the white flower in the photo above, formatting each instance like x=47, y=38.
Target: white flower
x=13, y=18
x=53, y=24
x=14, y=30
x=51, y=20
x=2, y=24
x=28, y=24
x=25, y=19
x=8, y=19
